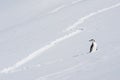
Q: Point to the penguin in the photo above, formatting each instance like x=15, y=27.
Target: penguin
x=93, y=46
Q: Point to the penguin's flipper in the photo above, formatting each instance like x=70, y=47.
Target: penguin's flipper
x=91, y=48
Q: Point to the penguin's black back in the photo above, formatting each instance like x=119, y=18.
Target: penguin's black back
x=91, y=47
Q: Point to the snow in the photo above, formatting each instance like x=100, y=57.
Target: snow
x=49, y=39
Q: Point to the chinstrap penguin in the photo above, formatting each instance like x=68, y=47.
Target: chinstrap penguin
x=93, y=46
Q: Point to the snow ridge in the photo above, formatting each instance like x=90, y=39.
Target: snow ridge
x=39, y=52
x=57, y=9
x=77, y=1
x=81, y=20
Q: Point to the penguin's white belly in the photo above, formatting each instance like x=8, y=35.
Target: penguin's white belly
x=94, y=47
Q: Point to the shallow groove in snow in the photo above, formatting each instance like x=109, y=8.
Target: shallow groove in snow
x=64, y=6
x=69, y=70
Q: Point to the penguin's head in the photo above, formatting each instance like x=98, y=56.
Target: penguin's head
x=91, y=40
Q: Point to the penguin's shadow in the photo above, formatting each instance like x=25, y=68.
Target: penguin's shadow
x=87, y=53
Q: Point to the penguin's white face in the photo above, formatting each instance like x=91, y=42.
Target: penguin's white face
x=91, y=40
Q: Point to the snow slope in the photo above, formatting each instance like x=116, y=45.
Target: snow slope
x=49, y=39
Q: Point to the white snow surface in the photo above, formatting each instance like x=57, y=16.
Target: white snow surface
x=49, y=39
